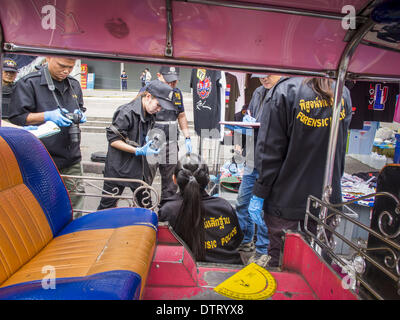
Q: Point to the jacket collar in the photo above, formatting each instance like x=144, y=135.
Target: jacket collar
x=138, y=109
x=43, y=81
x=272, y=90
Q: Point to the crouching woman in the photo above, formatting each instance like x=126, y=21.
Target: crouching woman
x=129, y=145
x=208, y=225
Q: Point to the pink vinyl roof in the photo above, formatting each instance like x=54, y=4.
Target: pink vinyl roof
x=201, y=33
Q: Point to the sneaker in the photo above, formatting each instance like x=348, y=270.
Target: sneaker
x=260, y=259
x=247, y=247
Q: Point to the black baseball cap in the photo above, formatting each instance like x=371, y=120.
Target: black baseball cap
x=10, y=65
x=163, y=92
x=170, y=74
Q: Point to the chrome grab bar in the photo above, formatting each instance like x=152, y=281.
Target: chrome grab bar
x=390, y=265
x=132, y=200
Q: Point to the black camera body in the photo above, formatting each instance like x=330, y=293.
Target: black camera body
x=74, y=130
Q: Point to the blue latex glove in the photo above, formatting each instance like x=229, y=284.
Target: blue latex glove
x=83, y=119
x=188, y=145
x=146, y=150
x=248, y=118
x=29, y=128
x=57, y=117
x=255, y=210
x=213, y=178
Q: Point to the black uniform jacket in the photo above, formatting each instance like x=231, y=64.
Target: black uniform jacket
x=130, y=121
x=291, y=149
x=32, y=95
x=255, y=105
x=255, y=109
x=222, y=231
x=6, y=100
x=164, y=119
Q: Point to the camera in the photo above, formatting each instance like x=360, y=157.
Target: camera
x=74, y=130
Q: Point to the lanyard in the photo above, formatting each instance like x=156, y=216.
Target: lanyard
x=52, y=87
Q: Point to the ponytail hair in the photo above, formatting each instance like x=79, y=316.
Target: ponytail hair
x=192, y=178
x=140, y=95
x=322, y=87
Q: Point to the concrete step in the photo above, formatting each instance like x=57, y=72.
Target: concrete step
x=96, y=124
x=93, y=167
x=109, y=120
x=93, y=129
x=100, y=126
x=101, y=119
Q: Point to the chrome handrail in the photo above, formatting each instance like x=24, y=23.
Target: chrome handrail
x=390, y=265
x=132, y=200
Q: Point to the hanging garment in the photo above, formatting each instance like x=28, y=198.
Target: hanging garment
x=241, y=80
x=252, y=83
x=222, y=94
x=231, y=95
x=396, y=117
x=373, y=101
x=206, y=99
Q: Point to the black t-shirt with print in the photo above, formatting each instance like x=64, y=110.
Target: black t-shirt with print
x=372, y=101
x=206, y=99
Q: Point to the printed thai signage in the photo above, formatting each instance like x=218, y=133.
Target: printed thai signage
x=84, y=73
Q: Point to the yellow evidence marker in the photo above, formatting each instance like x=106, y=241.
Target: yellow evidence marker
x=251, y=283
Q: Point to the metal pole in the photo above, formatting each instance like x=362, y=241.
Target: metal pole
x=11, y=47
x=269, y=8
x=330, y=160
x=169, y=46
x=122, y=68
x=1, y=74
x=1, y=84
x=341, y=75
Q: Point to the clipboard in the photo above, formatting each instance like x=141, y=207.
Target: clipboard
x=241, y=124
x=45, y=130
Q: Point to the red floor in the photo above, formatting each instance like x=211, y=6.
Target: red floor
x=174, y=275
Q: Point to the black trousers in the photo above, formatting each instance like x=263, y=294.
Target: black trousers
x=276, y=227
x=167, y=165
x=115, y=189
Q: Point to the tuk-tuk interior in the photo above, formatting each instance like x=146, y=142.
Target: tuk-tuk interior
x=345, y=40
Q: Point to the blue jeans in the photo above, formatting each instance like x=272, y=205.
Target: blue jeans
x=246, y=224
x=124, y=85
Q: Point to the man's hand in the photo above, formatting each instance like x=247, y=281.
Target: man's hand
x=188, y=145
x=57, y=117
x=146, y=150
x=83, y=119
x=248, y=118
